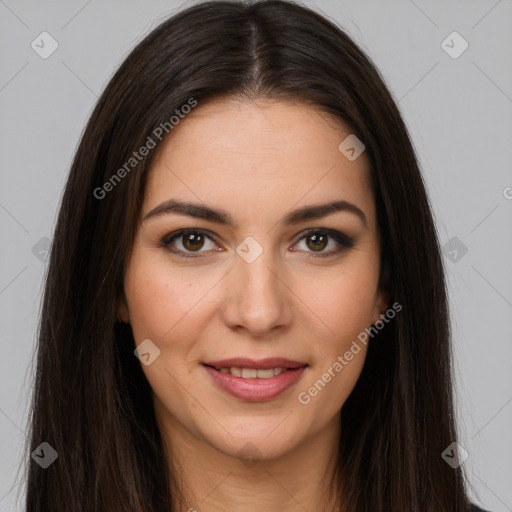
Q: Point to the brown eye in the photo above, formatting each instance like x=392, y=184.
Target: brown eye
x=193, y=241
x=189, y=241
x=318, y=241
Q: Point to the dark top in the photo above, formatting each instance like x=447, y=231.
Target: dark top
x=474, y=508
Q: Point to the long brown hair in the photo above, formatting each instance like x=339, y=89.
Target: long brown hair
x=91, y=400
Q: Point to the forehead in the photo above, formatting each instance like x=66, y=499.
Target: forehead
x=246, y=155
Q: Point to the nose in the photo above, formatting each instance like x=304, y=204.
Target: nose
x=257, y=298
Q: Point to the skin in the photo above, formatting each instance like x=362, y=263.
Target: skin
x=258, y=160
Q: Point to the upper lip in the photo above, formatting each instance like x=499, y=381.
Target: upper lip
x=257, y=364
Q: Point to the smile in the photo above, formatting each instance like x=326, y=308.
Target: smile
x=255, y=381
x=251, y=373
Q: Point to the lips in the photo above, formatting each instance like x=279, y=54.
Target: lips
x=255, y=380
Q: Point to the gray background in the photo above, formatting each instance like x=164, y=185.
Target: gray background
x=458, y=111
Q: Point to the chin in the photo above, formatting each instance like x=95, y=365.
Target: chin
x=251, y=441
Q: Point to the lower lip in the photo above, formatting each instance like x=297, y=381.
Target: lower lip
x=256, y=390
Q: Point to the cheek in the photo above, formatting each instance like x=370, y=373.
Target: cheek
x=346, y=310
x=342, y=303
x=165, y=307
x=163, y=303
x=154, y=306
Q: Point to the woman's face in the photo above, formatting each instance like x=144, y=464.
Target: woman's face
x=260, y=276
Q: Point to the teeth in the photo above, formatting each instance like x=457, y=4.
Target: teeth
x=249, y=373
x=252, y=373
x=264, y=374
x=237, y=372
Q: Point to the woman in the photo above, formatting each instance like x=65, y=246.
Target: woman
x=245, y=307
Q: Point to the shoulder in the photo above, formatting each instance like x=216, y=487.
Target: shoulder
x=474, y=508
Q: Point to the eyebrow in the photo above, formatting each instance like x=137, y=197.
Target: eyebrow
x=222, y=217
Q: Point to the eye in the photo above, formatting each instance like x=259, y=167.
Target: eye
x=316, y=240
x=188, y=241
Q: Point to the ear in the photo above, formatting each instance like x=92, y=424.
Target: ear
x=382, y=298
x=381, y=305
x=123, y=314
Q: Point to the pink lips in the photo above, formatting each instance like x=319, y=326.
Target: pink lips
x=255, y=389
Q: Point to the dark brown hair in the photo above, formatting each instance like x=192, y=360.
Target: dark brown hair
x=92, y=402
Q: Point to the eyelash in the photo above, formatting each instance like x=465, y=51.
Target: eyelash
x=342, y=239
